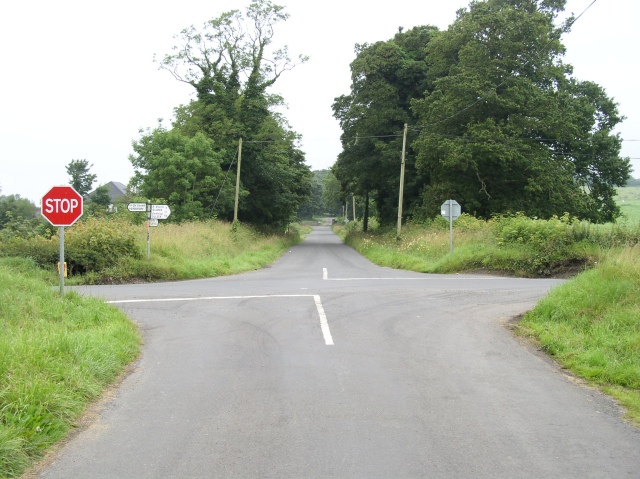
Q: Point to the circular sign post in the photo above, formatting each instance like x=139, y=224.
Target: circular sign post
x=62, y=206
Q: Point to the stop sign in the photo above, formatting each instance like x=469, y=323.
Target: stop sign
x=62, y=206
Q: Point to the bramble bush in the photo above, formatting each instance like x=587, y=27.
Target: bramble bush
x=90, y=245
x=541, y=234
x=98, y=243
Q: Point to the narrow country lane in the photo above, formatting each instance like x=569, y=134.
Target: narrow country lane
x=327, y=366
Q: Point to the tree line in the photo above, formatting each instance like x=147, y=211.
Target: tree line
x=497, y=121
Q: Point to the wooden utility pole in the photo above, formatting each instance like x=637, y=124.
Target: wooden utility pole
x=404, y=149
x=353, y=197
x=235, y=209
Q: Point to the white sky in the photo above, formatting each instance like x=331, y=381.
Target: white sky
x=78, y=80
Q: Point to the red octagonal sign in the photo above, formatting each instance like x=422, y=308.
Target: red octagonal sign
x=62, y=206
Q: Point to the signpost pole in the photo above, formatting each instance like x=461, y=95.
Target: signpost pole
x=450, y=209
x=61, y=259
x=149, y=231
x=235, y=208
x=450, y=227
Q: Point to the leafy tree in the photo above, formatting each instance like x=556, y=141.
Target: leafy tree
x=101, y=196
x=184, y=171
x=505, y=127
x=99, y=201
x=315, y=205
x=231, y=64
x=385, y=77
x=13, y=207
x=79, y=176
x=331, y=194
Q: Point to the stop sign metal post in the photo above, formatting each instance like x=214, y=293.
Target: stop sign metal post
x=62, y=206
x=450, y=209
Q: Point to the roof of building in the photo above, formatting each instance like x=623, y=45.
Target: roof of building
x=116, y=190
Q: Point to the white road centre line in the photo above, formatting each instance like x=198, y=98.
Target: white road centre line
x=324, y=325
x=328, y=340
x=325, y=273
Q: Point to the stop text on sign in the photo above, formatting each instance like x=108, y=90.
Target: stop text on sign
x=61, y=205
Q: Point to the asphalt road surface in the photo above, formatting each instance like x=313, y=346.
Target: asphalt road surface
x=327, y=366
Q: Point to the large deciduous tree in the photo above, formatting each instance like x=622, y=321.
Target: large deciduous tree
x=503, y=125
x=506, y=127
x=385, y=77
x=231, y=63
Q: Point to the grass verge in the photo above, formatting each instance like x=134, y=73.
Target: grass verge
x=591, y=326
x=56, y=356
x=196, y=250
x=505, y=247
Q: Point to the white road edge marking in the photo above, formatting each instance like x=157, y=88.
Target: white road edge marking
x=324, y=325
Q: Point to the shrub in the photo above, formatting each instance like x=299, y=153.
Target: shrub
x=548, y=241
x=43, y=251
x=98, y=243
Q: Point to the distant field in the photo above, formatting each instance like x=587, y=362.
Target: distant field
x=629, y=200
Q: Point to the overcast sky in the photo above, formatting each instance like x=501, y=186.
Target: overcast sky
x=78, y=79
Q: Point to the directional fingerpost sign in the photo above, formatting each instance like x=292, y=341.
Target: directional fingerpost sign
x=160, y=212
x=154, y=213
x=137, y=207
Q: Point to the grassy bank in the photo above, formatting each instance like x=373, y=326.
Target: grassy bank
x=114, y=250
x=516, y=246
x=591, y=325
x=56, y=356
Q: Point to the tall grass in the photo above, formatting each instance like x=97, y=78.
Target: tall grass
x=56, y=355
x=196, y=250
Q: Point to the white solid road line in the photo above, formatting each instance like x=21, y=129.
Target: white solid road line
x=324, y=325
x=325, y=276
x=209, y=298
x=328, y=340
